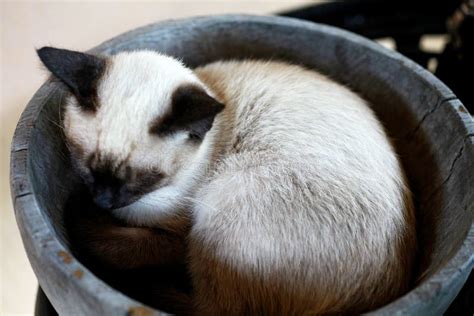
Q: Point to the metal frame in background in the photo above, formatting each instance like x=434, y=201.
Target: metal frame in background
x=406, y=22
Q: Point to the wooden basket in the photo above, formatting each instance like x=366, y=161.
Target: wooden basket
x=432, y=132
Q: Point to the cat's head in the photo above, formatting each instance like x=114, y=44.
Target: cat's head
x=133, y=121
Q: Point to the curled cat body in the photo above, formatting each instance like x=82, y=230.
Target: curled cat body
x=295, y=198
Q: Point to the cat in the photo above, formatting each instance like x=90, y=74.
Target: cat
x=291, y=194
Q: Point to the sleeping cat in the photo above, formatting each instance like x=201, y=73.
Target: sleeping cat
x=293, y=199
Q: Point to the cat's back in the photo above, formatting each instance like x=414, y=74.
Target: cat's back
x=293, y=108
x=307, y=211
x=287, y=117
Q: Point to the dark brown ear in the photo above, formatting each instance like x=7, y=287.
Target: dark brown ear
x=79, y=71
x=192, y=110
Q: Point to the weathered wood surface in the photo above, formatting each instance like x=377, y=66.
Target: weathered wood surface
x=432, y=131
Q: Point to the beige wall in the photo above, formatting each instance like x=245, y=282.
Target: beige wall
x=75, y=25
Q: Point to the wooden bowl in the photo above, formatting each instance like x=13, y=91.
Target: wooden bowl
x=432, y=132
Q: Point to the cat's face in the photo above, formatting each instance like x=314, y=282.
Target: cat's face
x=134, y=121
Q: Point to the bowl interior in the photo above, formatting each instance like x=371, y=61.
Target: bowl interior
x=419, y=113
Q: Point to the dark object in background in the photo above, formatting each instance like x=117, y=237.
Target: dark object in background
x=406, y=22
x=43, y=306
x=456, y=64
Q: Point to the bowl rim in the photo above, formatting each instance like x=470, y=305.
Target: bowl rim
x=43, y=243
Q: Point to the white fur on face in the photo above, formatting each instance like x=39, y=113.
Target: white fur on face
x=135, y=90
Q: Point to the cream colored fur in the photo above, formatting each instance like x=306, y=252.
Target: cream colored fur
x=297, y=200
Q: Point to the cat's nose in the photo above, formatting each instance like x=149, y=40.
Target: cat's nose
x=104, y=198
x=105, y=188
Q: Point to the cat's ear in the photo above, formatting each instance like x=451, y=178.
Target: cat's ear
x=192, y=110
x=79, y=71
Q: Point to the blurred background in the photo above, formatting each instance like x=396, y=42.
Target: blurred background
x=439, y=35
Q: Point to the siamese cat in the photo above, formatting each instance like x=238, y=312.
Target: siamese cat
x=282, y=183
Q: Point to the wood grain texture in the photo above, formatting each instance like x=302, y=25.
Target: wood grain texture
x=431, y=130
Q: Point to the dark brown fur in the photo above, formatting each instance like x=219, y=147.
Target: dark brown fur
x=80, y=72
x=144, y=263
x=192, y=110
